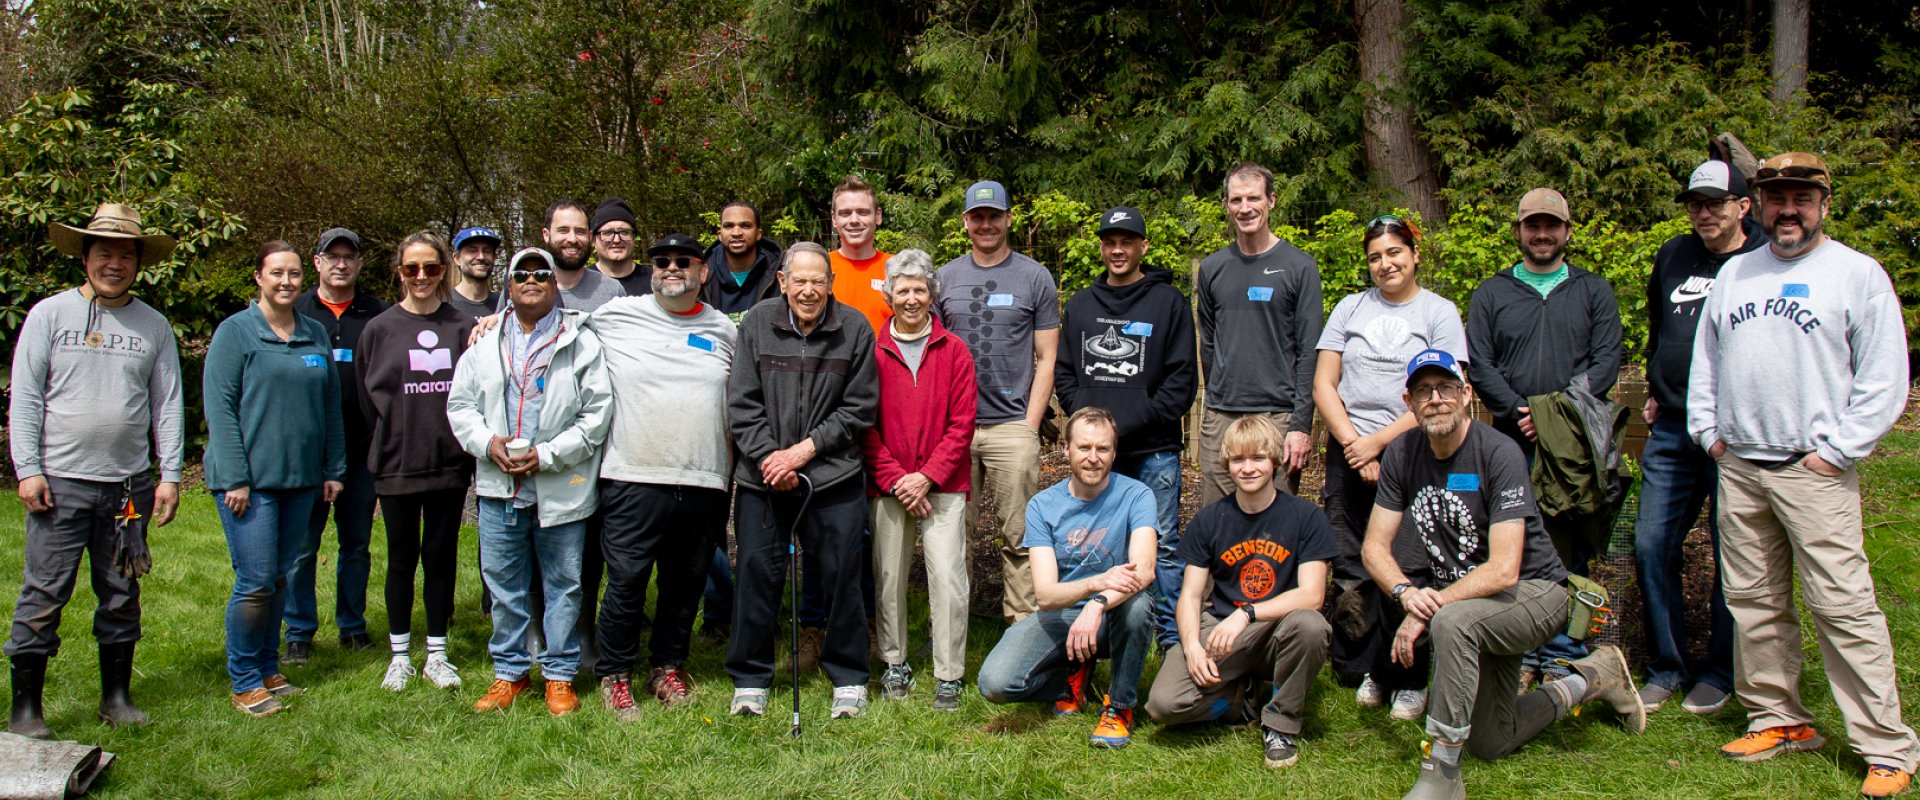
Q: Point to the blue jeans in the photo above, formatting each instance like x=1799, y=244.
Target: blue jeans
x=1677, y=479
x=353, y=526
x=510, y=539
x=1030, y=662
x=263, y=544
x=1161, y=473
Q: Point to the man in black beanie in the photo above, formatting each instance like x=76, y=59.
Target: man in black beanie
x=614, y=247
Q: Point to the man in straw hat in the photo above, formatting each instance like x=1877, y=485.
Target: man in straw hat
x=96, y=391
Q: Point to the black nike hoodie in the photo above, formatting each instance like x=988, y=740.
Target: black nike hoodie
x=1130, y=350
x=1683, y=274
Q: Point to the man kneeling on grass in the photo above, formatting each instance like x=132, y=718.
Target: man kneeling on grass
x=1092, y=542
x=1270, y=552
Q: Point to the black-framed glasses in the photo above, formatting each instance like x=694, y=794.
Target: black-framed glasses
x=1696, y=206
x=336, y=258
x=675, y=262
x=535, y=275
x=615, y=234
x=1444, y=391
x=433, y=270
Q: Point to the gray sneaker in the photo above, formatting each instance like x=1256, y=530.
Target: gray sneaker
x=897, y=682
x=1705, y=698
x=1281, y=749
x=848, y=702
x=1653, y=696
x=946, y=696
x=748, y=702
x=1438, y=781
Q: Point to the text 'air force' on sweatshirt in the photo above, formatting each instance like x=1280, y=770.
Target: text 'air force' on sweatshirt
x=1804, y=355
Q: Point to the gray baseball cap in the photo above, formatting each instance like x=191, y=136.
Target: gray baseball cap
x=987, y=194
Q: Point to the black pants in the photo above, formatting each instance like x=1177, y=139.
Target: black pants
x=1363, y=639
x=82, y=521
x=423, y=530
x=648, y=525
x=830, y=546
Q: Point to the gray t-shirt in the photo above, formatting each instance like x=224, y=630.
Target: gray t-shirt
x=913, y=352
x=1375, y=339
x=484, y=308
x=92, y=386
x=592, y=292
x=995, y=310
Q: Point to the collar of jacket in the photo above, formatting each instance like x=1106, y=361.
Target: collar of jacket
x=258, y=319
x=829, y=318
x=885, y=335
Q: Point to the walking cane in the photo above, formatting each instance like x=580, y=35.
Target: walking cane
x=793, y=570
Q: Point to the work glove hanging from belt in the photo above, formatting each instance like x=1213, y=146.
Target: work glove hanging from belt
x=131, y=558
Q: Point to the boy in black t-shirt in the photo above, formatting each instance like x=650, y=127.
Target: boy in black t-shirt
x=1265, y=555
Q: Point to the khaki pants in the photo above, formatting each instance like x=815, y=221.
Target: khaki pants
x=1215, y=482
x=945, y=536
x=1772, y=523
x=1006, y=467
x=1477, y=648
x=1289, y=651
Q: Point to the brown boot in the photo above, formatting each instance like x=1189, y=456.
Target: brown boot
x=811, y=640
x=561, y=700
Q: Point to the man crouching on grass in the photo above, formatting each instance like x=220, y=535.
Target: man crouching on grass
x=1262, y=620
x=1092, y=544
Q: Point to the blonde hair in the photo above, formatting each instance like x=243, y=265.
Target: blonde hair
x=448, y=274
x=1252, y=435
x=1091, y=415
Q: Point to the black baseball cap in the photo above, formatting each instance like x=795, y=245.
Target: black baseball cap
x=1122, y=219
x=333, y=236
x=677, y=243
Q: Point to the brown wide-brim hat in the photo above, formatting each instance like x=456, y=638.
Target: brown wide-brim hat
x=112, y=221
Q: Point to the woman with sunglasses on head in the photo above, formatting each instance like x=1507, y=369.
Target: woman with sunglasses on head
x=420, y=474
x=1357, y=388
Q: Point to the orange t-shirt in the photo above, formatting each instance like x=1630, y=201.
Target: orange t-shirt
x=858, y=284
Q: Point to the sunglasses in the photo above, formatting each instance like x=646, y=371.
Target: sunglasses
x=535, y=275
x=677, y=262
x=1385, y=221
x=434, y=270
x=1802, y=173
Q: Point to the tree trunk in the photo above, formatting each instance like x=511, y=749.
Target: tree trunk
x=1790, y=34
x=1395, y=155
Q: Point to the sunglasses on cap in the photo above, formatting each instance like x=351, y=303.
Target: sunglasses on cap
x=433, y=270
x=677, y=262
x=535, y=275
x=1792, y=173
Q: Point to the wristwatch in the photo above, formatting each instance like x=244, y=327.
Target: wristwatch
x=1248, y=609
x=1098, y=597
x=1401, y=589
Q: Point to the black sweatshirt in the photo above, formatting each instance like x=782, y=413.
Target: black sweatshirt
x=406, y=370
x=1683, y=273
x=1522, y=344
x=1260, y=318
x=1129, y=349
x=733, y=299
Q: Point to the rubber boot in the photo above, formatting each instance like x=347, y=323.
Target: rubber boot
x=1438, y=781
x=116, y=672
x=29, y=677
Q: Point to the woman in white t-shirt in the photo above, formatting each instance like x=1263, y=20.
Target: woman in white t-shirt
x=1357, y=388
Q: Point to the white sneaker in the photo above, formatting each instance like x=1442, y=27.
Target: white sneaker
x=441, y=673
x=748, y=702
x=848, y=701
x=1369, y=695
x=399, y=669
x=1409, y=704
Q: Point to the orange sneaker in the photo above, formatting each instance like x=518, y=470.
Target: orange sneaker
x=1076, y=690
x=1884, y=781
x=1115, y=729
x=561, y=700
x=500, y=695
x=1764, y=744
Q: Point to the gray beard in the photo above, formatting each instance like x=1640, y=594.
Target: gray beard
x=1440, y=426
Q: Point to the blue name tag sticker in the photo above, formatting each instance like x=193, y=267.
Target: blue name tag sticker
x=1463, y=482
x=1260, y=294
x=540, y=383
x=343, y=355
x=1794, y=290
x=314, y=361
x=1138, y=329
x=1000, y=300
x=701, y=342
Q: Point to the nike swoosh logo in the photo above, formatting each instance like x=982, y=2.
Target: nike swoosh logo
x=1681, y=295
x=1271, y=271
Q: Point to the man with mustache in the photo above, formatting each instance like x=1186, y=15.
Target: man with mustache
x=569, y=240
x=1799, y=368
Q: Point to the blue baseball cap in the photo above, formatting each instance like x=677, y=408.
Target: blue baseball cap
x=987, y=194
x=467, y=234
x=1434, y=359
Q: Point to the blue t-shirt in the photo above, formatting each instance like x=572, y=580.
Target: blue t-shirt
x=1088, y=537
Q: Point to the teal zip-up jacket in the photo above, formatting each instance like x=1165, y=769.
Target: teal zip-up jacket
x=272, y=406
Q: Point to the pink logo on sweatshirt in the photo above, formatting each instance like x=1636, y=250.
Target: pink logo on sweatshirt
x=429, y=359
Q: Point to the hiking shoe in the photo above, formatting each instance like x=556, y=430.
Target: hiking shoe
x=279, y=686
x=718, y=635
x=440, y=672
x=1885, y=781
x=1115, y=728
x=897, y=683
x=1705, y=698
x=670, y=685
x=748, y=702
x=1409, y=704
x=1369, y=695
x=1438, y=781
x=561, y=700
x=946, y=695
x=617, y=692
x=1653, y=696
x=257, y=703
x=1281, y=749
x=297, y=654
x=500, y=695
x=811, y=640
x=1076, y=695
x=356, y=641
x=1609, y=681
x=399, y=669
x=848, y=702
x=1764, y=744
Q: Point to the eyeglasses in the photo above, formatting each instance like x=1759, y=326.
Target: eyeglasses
x=535, y=275
x=616, y=234
x=335, y=258
x=675, y=262
x=1444, y=391
x=1697, y=206
x=1799, y=173
x=433, y=270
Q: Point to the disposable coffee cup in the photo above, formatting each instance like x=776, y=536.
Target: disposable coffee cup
x=518, y=447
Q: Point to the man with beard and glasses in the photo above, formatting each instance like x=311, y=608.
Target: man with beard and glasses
x=475, y=251
x=1497, y=589
x=569, y=240
x=1532, y=329
x=1799, y=368
x=614, y=245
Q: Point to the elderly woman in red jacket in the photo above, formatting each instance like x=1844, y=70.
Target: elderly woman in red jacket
x=917, y=470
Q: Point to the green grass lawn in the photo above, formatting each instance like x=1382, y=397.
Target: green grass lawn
x=347, y=738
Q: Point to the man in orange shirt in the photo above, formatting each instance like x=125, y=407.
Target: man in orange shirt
x=859, y=268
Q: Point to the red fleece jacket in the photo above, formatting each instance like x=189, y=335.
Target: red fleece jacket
x=925, y=424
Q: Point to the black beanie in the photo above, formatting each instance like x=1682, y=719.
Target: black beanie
x=612, y=209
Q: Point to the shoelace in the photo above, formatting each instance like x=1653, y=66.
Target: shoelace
x=622, y=694
x=1883, y=771
x=1110, y=717
x=675, y=683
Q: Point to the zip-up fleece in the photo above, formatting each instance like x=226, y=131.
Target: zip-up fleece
x=272, y=406
x=733, y=299
x=405, y=367
x=575, y=412
x=1522, y=344
x=1129, y=349
x=1677, y=288
x=787, y=386
x=925, y=422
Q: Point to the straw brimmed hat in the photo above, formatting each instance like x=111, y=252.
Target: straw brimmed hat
x=112, y=221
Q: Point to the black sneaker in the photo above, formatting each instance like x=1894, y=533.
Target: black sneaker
x=355, y=641
x=946, y=696
x=297, y=654
x=897, y=682
x=1282, y=750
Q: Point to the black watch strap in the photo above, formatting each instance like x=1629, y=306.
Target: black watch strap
x=1401, y=589
x=1098, y=597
